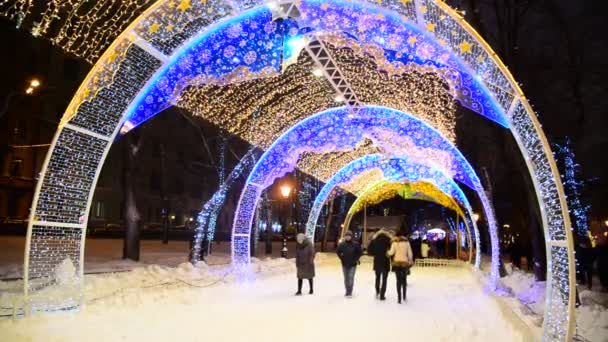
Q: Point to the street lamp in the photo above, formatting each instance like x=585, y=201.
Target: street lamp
x=34, y=83
x=285, y=192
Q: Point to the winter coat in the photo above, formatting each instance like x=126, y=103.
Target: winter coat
x=401, y=251
x=424, y=250
x=349, y=253
x=381, y=243
x=305, y=260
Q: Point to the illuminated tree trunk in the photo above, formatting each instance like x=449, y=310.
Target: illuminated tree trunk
x=327, y=224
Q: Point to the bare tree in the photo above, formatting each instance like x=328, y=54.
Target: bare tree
x=132, y=218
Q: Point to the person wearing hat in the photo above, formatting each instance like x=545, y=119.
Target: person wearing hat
x=305, y=262
x=349, y=253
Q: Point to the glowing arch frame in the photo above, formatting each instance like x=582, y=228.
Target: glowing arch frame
x=337, y=129
x=378, y=187
x=392, y=171
x=435, y=195
x=79, y=142
x=415, y=190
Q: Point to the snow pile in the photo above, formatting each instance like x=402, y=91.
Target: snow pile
x=529, y=292
x=591, y=316
x=65, y=273
x=158, y=280
x=592, y=322
x=11, y=271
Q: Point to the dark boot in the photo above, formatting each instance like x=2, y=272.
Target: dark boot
x=299, y=293
x=310, y=286
x=398, y=293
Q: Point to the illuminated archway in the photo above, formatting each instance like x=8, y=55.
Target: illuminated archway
x=422, y=190
x=400, y=169
x=128, y=85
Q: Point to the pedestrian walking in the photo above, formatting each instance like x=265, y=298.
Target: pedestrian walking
x=305, y=262
x=402, y=260
x=378, y=248
x=349, y=253
x=424, y=249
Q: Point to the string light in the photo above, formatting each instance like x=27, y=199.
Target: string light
x=387, y=189
x=76, y=26
x=573, y=186
x=207, y=217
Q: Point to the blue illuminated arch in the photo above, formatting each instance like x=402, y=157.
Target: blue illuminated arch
x=402, y=169
x=395, y=132
x=229, y=52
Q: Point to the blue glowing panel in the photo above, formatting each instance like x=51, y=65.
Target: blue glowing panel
x=337, y=129
x=251, y=46
x=403, y=43
x=251, y=43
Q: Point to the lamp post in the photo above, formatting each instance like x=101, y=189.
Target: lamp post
x=33, y=85
x=285, y=192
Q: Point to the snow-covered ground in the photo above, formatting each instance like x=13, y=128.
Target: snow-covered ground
x=207, y=303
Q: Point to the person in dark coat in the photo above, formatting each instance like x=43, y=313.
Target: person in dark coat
x=349, y=253
x=305, y=262
x=585, y=258
x=380, y=244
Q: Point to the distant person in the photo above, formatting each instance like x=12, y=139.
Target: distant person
x=402, y=260
x=585, y=257
x=378, y=247
x=349, y=253
x=424, y=249
x=305, y=262
x=416, y=248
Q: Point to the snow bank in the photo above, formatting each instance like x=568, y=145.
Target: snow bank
x=591, y=316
